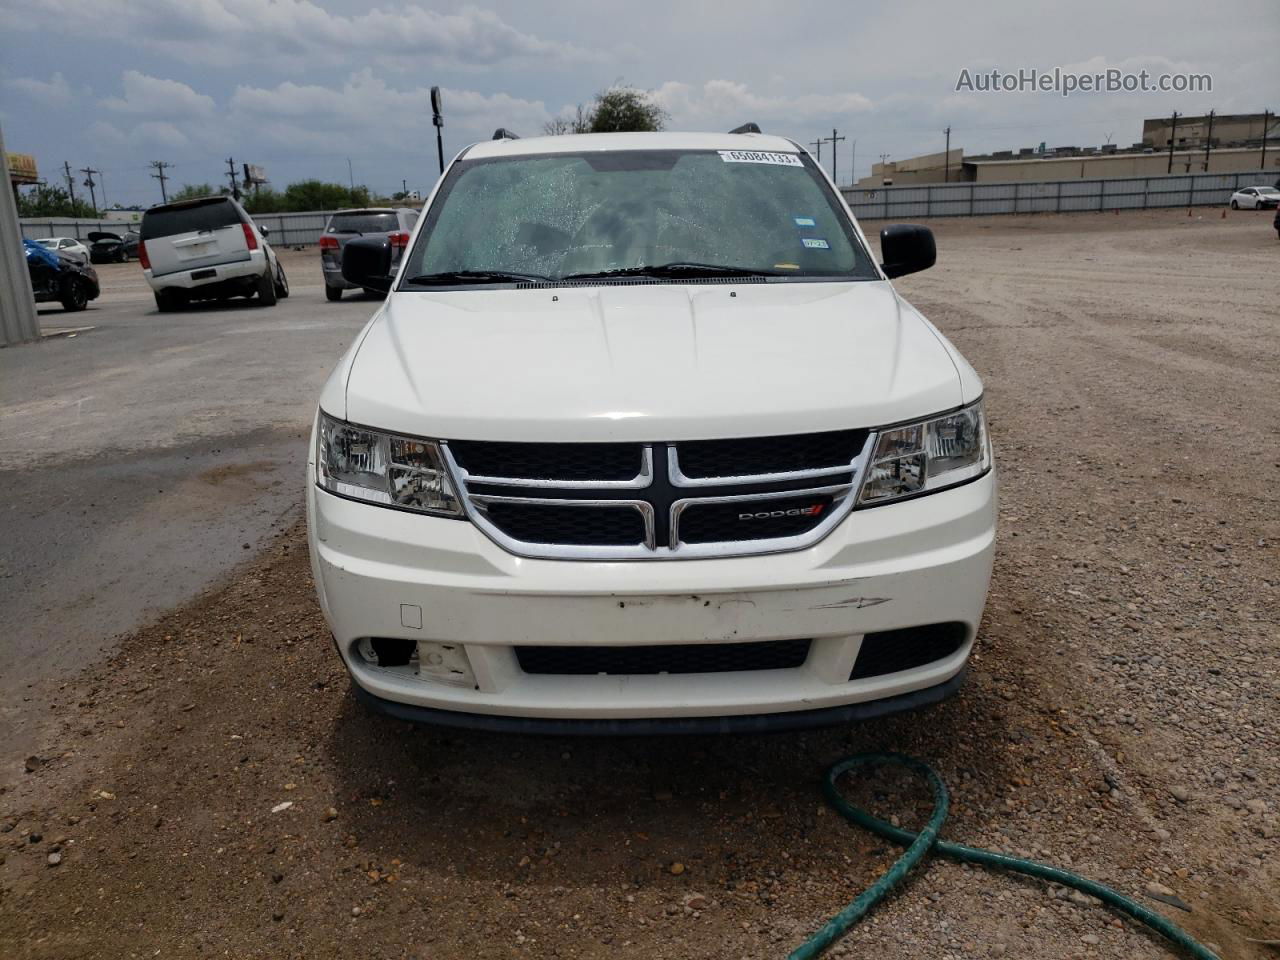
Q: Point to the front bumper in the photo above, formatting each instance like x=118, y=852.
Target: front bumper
x=379, y=572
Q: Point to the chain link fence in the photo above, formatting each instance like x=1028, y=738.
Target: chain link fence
x=1059, y=196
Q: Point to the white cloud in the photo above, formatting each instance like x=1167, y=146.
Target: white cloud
x=156, y=97
x=720, y=102
x=54, y=92
x=298, y=33
x=160, y=133
x=370, y=112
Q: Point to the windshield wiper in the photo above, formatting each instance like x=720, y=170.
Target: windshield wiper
x=675, y=270
x=457, y=277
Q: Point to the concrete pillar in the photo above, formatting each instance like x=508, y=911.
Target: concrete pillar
x=18, y=320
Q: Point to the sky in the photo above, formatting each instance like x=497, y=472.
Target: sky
x=301, y=87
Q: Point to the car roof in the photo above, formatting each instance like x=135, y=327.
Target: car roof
x=578, y=142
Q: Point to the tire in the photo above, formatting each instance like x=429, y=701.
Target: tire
x=267, y=289
x=168, y=301
x=282, y=282
x=74, y=296
x=1235, y=205
x=332, y=293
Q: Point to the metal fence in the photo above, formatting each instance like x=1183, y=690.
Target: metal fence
x=287, y=229
x=1059, y=196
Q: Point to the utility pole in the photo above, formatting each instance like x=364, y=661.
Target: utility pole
x=818, y=145
x=404, y=187
x=437, y=120
x=833, y=140
x=71, y=182
x=102, y=182
x=88, y=182
x=351, y=178
x=1173, y=135
x=231, y=173
x=853, y=162
x=1208, y=141
x=946, y=157
x=1264, y=139
x=159, y=166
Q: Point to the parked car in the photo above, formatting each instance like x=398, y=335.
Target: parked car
x=393, y=223
x=1275, y=222
x=56, y=276
x=643, y=438
x=69, y=246
x=1255, y=198
x=108, y=247
x=208, y=249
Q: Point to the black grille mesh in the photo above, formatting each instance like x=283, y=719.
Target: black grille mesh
x=667, y=658
x=549, y=461
x=577, y=526
x=724, y=522
x=736, y=458
x=892, y=650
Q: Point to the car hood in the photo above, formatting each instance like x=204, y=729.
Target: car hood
x=648, y=362
x=98, y=236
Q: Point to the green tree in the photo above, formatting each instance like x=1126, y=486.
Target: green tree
x=193, y=191
x=619, y=109
x=318, y=195
x=52, y=202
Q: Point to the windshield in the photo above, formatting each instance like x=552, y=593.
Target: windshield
x=561, y=216
x=363, y=221
x=1268, y=191
x=196, y=217
x=49, y=244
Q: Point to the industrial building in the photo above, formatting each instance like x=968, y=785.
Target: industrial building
x=1240, y=142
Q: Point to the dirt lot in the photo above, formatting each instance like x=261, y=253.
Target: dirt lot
x=1120, y=716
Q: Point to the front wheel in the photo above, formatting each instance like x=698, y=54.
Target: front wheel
x=74, y=296
x=1235, y=205
x=332, y=293
x=267, y=289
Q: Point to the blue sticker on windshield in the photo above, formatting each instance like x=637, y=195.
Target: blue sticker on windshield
x=804, y=221
x=815, y=243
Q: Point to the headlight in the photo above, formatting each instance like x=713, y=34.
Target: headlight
x=383, y=468
x=927, y=456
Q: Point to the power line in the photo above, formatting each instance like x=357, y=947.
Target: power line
x=159, y=166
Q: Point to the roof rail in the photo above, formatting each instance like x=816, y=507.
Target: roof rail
x=747, y=128
x=502, y=133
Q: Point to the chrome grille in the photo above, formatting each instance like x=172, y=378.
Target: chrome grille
x=682, y=500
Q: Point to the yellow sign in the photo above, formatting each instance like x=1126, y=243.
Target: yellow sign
x=22, y=167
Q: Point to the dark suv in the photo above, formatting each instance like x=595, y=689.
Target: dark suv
x=58, y=277
x=393, y=223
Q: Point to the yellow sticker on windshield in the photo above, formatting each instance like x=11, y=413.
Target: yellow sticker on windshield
x=786, y=266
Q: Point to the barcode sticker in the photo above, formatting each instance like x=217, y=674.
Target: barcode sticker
x=756, y=156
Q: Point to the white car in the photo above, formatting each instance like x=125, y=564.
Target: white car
x=644, y=439
x=1255, y=198
x=68, y=245
x=207, y=249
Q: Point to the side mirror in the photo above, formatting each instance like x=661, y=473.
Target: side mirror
x=264, y=231
x=906, y=248
x=366, y=262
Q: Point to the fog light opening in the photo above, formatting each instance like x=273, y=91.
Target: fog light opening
x=387, y=651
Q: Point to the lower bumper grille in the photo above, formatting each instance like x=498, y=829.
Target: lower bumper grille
x=893, y=650
x=666, y=658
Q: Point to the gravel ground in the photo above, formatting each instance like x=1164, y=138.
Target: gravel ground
x=214, y=790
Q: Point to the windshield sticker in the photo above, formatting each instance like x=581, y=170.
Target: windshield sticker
x=815, y=243
x=804, y=221
x=755, y=156
x=786, y=266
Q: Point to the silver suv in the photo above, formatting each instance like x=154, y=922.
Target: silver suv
x=395, y=224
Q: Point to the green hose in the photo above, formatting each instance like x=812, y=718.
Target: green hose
x=919, y=844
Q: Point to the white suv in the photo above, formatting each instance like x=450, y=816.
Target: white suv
x=643, y=439
x=208, y=249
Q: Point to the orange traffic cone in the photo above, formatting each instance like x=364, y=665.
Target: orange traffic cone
x=1188, y=211
x=1224, y=213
